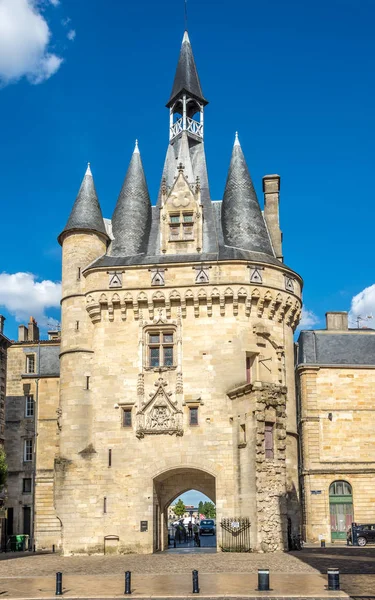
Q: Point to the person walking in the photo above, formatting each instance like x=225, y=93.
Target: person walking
x=190, y=530
x=197, y=541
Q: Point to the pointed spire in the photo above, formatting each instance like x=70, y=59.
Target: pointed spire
x=132, y=216
x=186, y=78
x=86, y=212
x=242, y=219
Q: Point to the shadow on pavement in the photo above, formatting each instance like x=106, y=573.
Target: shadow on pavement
x=356, y=566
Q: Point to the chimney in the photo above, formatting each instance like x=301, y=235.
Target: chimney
x=22, y=333
x=2, y=319
x=33, y=335
x=337, y=321
x=271, y=189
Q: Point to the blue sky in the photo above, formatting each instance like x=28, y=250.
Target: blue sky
x=192, y=497
x=294, y=78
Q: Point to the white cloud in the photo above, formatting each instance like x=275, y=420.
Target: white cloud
x=308, y=319
x=363, y=305
x=71, y=35
x=24, y=39
x=55, y=2
x=23, y=296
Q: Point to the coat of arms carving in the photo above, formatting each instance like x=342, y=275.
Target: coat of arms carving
x=160, y=414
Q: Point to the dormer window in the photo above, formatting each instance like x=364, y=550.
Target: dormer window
x=181, y=217
x=181, y=226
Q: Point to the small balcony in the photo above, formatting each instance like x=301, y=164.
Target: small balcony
x=192, y=126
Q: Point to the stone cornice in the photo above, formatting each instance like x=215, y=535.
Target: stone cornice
x=307, y=367
x=336, y=470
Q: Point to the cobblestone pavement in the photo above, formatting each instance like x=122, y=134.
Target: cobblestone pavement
x=310, y=560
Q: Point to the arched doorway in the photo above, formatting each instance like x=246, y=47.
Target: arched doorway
x=167, y=487
x=340, y=508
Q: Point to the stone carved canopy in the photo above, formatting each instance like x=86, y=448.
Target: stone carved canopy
x=160, y=414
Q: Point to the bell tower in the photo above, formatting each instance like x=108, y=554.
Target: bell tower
x=186, y=103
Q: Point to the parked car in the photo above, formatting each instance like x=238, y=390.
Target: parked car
x=360, y=535
x=207, y=526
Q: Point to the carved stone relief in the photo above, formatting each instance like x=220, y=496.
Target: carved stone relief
x=157, y=277
x=160, y=414
x=202, y=274
x=256, y=274
x=115, y=279
x=289, y=284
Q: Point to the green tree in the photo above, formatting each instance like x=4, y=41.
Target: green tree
x=201, y=508
x=209, y=510
x=180, y=508
x=3, y=469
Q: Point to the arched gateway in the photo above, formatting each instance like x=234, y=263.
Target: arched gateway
x=167, y=487
x=177, y=355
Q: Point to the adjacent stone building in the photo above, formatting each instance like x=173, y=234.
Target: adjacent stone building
x=336, y=389
x=177, y=356
x=4, y=344
x=32, y=391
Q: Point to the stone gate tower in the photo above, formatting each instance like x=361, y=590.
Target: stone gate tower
x=177, y=367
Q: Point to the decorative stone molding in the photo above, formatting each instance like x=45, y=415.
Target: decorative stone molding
x=261, y=302
x=160, y=414
x=115, y=279
x=289, y=283
x=256, y=274
x=157, y=277
x=202, y=274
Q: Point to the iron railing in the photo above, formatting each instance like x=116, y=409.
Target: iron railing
x=235, y=534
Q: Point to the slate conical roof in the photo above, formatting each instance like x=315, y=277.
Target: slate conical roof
x=242, y=220
x=131, y=219
x=86, y=212
x=186, y=78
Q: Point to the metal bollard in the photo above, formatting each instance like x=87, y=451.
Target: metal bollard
x=263, y=580
x=322, y=543
x=53, y=548
x=174, y=543
x=195, y=582
x=58, y=584
x=333, y=579
x=128, y=582
x=34, y=548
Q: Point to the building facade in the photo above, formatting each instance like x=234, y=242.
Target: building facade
x=176, y=358
x=190, y=512
x=4, y=345
x=336, y=391
x=30, y=434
